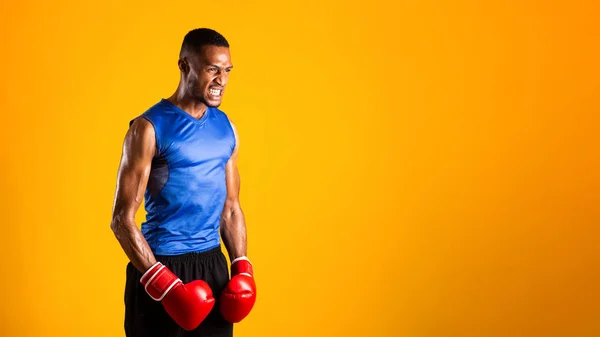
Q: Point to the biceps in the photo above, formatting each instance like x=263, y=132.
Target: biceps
x=134, y=169
x=130, y=188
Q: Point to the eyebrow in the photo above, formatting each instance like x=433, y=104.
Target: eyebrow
x=214, y=65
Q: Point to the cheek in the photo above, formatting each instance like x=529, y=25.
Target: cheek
x=200, y=83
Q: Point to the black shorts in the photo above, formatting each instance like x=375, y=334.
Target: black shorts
x=145, y=317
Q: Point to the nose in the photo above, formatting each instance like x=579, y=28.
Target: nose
x=222, y=78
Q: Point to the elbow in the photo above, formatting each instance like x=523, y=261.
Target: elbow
x=232, y=207
x=231, y=214
x=119, y=223
x=115, y=224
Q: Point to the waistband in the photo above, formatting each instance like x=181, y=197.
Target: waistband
x=193, y=256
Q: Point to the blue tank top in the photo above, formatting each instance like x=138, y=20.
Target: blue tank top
x=186, y=188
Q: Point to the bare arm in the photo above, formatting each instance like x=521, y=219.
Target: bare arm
x=138, y=150
x=233, y=224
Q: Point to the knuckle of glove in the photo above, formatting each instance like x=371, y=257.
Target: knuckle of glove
x=241, y=284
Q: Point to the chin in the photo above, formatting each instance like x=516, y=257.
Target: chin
x=210, y=103
x=214, y=104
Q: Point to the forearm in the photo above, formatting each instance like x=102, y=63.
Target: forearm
x=133, y=243
x=233, y=231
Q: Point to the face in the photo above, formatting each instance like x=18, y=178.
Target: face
x=208, y=73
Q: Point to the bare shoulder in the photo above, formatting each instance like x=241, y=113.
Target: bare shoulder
x=140, y=138
x=141, y=127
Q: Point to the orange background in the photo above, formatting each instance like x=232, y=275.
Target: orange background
x=412, y=168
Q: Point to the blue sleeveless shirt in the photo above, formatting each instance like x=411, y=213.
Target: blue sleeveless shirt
x=186, y=188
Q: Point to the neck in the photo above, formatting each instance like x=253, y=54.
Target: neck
x=187, y=103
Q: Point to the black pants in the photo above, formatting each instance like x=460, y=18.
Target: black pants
x=145, y=317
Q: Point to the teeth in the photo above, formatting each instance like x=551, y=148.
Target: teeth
x=215, y=92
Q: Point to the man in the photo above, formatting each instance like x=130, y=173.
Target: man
x=180, y=156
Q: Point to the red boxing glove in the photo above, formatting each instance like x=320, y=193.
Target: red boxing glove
x=188, y=304
x=239, y=296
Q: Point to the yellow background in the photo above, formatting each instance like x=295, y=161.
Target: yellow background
x=411, y=168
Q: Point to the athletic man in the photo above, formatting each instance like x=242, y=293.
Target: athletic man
x=180, y=156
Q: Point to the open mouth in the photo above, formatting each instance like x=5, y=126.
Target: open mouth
x=215, y=92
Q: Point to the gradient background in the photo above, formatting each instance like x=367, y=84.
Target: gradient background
x=411, y=168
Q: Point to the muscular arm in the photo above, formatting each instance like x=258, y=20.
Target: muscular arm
x=138, y=150
x=233, y=225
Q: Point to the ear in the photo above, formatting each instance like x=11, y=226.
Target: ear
x=183, y=65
